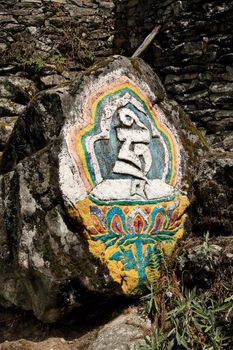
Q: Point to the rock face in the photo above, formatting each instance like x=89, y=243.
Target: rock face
x=15, y=93
x=123, y=333
x=96, y=179
x=192, y=54
x=55, y=31
x=213, y=187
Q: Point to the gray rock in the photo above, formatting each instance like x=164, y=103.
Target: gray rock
x=123, y=333
x=7, y=69
x=106, y=4
x=52, y=80
x=17, y=89
x=213, y=188
x=172, y=78
x=41, y=125
x=220, y=124
x=3, y=47
x=47, y=255
x=48, y=259
x=7, y=19
x=8, y=107
x=194, y=42
x=223, y=114
x=221, y=98
x=226, y=143
x=6, y=127
x=221, y=87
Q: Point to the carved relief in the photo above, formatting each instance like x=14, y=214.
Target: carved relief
x=128, y=161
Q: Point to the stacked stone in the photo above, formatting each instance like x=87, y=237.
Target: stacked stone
x=192, y=54
x=15, y=93
x=42, y=29
x=44, y=43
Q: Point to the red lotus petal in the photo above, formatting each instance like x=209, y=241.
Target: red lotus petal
x=116, y=224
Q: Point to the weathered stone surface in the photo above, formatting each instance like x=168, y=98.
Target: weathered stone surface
x=37, y=129
x=194, y=43
x=8, y=107
x=52, y=80
x=38, y=28
x=6, y=127
x=226, y=144
x=43, y=256
x=17, y=89
x=221, y=87
x=213, y=189
x=123, y=333
x=3, y=47
x=55, y=246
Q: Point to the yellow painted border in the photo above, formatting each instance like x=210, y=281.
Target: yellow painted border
x=159, y=125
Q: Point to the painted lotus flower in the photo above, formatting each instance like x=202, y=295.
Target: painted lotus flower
x=118, y=226
x=136, y=233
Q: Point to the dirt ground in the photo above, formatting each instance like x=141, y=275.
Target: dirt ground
x=50, y=344
x=20, y=330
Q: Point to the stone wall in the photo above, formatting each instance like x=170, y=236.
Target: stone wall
x=44, y=43
x=49, y=41
x=56, y=30
x=192, y=54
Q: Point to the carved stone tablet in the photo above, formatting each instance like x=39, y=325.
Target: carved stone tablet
x=128, y=166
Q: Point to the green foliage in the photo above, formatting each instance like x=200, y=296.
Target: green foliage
x=188, y=319
x=156, y=264
x=192, y=322
x=155, y=342
x=195, y=322
x=58, y=59
x=89, y=57
x=205, y=253
x=35, y=65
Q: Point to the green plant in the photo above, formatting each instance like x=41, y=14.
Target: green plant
x=208, y=250
x=192, y=322
x=58, y=59
x=187, y=319
x=154, y=342
x=204, y=253
x=35, y=65
x=89, y=57
x=195, y=322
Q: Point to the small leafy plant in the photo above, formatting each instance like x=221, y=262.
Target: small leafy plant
x=187, y=318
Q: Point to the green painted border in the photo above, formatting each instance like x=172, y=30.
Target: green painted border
x=131, y=202
x=99, y=105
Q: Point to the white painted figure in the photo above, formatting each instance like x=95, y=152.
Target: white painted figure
x=134, y=157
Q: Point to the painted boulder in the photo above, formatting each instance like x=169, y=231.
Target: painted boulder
x=96, y=179
x=130, y=166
